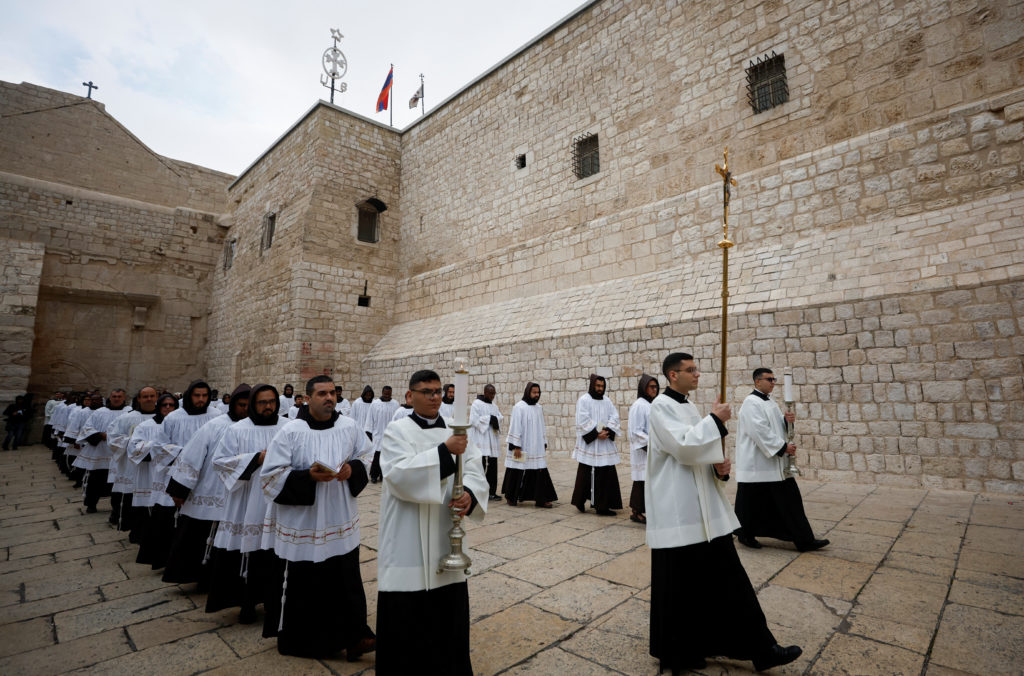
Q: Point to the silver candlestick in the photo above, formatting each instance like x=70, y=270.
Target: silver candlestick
x=790, y=470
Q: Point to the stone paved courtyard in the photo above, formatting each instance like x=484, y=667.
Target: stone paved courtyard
x=916, y=581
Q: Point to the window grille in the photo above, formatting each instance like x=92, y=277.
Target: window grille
x=766, y=82
x=586, y=156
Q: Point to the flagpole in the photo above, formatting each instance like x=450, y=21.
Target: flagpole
x=391, y=106
x=423, y=100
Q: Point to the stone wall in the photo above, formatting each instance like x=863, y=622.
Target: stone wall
x=878, y=222
x=290, y=312
x=21, y=264
x=129, y=240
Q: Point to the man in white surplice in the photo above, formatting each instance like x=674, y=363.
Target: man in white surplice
x=313, y=471
x=484, y=427
x=377, y=419
x=418, y=462
x=597, y=425
x=689, y=530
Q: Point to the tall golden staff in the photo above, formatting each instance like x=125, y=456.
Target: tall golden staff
x=725, y=245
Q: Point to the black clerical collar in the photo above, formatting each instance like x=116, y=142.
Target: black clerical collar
x=759, y=393
x=315, y=424
x=675, y=396
x=426, y=424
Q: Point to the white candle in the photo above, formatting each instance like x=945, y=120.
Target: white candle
x=788, y=387
x=461, y=395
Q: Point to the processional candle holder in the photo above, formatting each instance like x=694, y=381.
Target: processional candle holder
x=456, y=559
x=790, y=470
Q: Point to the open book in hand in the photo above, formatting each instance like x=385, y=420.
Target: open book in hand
x=327, y=467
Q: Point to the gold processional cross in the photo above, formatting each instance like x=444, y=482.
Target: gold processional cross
x=727, y=183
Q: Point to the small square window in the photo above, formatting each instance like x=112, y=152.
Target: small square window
x=766, y=82
x=520, y=161
x=364, y=301
x=586, y=156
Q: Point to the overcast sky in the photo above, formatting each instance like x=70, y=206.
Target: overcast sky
x=215, y=82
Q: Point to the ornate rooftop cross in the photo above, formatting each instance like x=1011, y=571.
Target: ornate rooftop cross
x=91, y=86
x=335, y=65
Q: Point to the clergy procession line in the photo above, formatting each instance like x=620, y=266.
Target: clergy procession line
x=257, y=507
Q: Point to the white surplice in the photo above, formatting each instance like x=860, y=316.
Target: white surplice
x=400, y=413
x=686, y=503
x=360, y=411
x=526, y=431
x=76, y=419
x=485, y=437
x=193, y=469
x=148, y=439
x=97, y=456
x=343, y=407
x=760, y=435
x=378, y=418
x=596, y=414
x=414, y=514
x=246, y=511
x=637, y=426
x=123, y=471
x=330, y=526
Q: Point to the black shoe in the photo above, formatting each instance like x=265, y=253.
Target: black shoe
x=247, y=615
x=749, y=542
x=78, y=484
x=91, y=509
x=777, y=656
x=812, y=545
x=605, y=512
x=492, y=496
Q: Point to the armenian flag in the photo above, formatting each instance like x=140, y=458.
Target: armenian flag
x=385, y=92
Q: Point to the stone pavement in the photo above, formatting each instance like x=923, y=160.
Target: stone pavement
x=916, y=581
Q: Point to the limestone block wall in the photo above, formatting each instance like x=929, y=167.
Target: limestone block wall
x=290, y=312
x=905, y=375
x=63, y=138
x=21, y=264
x=124, y=286
x=920, y=92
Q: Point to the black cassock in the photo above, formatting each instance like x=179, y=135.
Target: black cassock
x=703, y=605
x=773, y=509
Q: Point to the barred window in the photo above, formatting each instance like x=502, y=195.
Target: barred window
x=586, y=156
x=766, y=82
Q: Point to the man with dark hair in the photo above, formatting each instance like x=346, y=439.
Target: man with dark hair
x=484, y=428
x=377, y=419
x=15, y=416
x=314, y=468
x=361, y=407
x=767, y=502
x=639, y=423
x=342, y=407
x=287, y=398
x=597, y=425
x=240, y=563
x=447, y=409
x=198, y=493
x=51, y=406
x=689, y=530
x=526, y=462
x=123, y=472
x=418, y=462
x=296, y=410
x=96, y=452
x=91, y=401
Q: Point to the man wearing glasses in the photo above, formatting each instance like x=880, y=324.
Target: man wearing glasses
x=767, y=503
x=423, y=614
x=702, y=602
